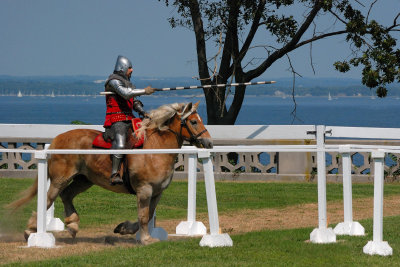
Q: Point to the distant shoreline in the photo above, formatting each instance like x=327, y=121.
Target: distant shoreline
x=186, y=96
x=92, y=86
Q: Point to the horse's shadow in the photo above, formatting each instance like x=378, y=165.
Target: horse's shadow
x=98, y=240
x=104, y=239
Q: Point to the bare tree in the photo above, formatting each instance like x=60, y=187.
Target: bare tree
x=233, y=24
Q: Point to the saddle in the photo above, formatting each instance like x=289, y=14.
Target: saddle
x=134, y=141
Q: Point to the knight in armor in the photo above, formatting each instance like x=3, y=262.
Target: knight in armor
x=118, y=121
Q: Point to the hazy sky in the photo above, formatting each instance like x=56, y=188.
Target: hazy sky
x=75, y=37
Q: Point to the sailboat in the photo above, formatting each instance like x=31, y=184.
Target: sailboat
x=52, y=94
x=19, y=93
x=329, y=96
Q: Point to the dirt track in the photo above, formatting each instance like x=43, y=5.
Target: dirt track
x=13, y=247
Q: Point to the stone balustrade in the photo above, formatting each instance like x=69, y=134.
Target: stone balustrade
x=265, y=166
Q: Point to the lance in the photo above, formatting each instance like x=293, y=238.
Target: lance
x=203, y=86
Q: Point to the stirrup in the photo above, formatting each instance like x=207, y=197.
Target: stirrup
x=116, y=179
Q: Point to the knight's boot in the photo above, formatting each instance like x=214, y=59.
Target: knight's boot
x=116, y=165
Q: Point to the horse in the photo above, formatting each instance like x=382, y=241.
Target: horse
x=149, y=174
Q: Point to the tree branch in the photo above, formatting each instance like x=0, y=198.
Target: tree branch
x=291, y=45
x=311, y=48
x=360, y=3
x=228, y=70
x=369, y=11
x=394, y=24
x=240, y=90
x=322, y=36
x=224, y=70
x=395, y=19
x=233, y=33
x=214, y=58
x=337, y=17
x=200, y=40
x=294, y=111
x=253, y=30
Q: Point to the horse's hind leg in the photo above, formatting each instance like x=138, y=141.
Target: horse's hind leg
x=79, y=184
x=52, y=194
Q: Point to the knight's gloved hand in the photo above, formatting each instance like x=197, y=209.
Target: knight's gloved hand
x=138, y=107
x=137, y=104
x=149, y=90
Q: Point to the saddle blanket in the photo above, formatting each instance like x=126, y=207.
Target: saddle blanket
x=134, y=141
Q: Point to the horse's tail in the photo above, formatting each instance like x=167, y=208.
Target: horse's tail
x=27, y=196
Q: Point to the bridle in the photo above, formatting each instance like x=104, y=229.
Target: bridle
x=193, y=138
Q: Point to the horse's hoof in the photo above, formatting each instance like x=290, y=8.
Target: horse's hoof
x=72, y=229
x=121, y=229
x=27, y=233
x=126, y=228
x=118, y=229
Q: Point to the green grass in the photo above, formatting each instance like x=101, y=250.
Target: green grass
x=265, y=248
x=98, y=206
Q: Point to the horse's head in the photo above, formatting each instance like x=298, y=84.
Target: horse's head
x=192, y=128
x=181, y=119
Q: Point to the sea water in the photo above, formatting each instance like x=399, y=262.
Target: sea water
x=256, y=110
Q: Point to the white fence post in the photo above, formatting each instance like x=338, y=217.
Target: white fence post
x=214, y=239
x=191, y=227
x=377, y=246
x=52, y=224
x=322, y=234
x=348, y=226
x=41, y=238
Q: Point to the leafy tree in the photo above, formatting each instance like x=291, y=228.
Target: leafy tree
x=232, y=25
x=78, y=122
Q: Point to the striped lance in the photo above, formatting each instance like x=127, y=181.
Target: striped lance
x=203, y=86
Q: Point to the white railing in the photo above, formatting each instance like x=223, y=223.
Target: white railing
x=261, y=165
x=322, y=234
x=258, y=166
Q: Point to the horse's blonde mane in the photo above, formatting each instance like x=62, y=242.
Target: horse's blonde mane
x=158, y=117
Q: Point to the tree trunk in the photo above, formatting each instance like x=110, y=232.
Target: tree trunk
x=215, y=105
x=217, y=112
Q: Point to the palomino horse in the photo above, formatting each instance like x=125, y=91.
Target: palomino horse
x=149, y=174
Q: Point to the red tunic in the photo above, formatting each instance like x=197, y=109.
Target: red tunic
x=118, y=109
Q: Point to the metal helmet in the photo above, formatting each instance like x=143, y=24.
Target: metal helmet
x=122, y=64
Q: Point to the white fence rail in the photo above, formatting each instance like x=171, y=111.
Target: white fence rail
x=322, y=234
x=258, y=165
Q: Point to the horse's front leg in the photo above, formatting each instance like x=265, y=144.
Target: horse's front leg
x=130, y=228
x=144, y=197
x=153, y=204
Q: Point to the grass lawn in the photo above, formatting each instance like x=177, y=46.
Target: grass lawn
x=98, y=206
x=264, y=248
